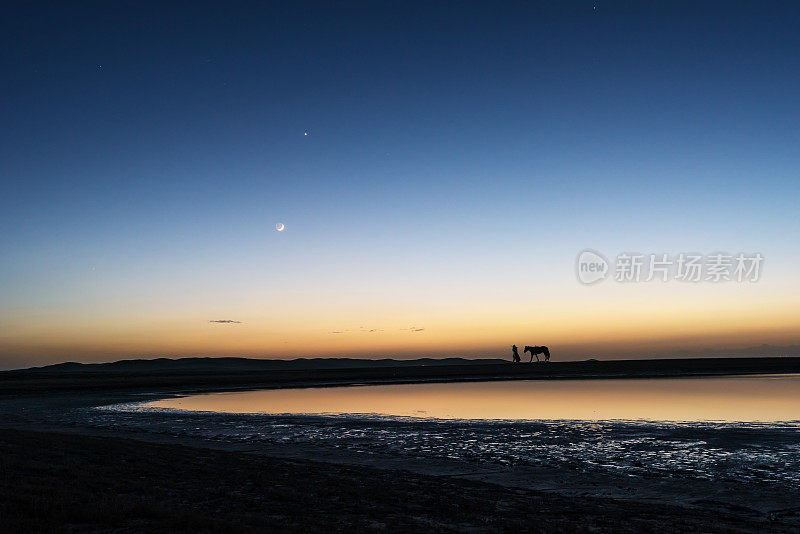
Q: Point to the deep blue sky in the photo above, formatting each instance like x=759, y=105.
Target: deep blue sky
x=454, y=143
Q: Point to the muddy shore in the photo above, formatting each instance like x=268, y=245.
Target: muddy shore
x=58, y=463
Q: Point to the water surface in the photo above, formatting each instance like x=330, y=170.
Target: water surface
x=763, y=398
x=743, y=430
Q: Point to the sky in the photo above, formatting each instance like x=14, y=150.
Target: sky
x=438, y=168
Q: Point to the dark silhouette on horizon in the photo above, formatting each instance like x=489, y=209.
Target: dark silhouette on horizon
x=515, y=354
x=535, y=351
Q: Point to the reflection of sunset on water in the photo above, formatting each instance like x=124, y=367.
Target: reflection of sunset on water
x=753, y=398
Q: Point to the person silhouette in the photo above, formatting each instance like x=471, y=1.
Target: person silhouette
x=515, y=354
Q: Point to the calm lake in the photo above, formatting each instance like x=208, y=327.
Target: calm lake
x=763, y=398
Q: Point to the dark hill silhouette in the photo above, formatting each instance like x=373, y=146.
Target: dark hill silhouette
x=232, y=364
x=212, y=374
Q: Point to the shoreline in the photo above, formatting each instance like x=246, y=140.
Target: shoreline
x=116, y=483
x=38, y=381
x=705, y=505
x=754, y=507
x=66, y=413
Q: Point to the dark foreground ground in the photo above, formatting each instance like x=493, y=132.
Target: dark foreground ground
x=54, y=482
x=63, y=471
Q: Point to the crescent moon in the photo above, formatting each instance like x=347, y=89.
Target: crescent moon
x=280, y=226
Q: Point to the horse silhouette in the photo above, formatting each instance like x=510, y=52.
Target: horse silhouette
x=536, y=351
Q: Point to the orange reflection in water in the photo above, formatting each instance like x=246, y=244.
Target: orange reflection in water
x=750, y=398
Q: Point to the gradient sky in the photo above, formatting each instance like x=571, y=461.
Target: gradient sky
x=458, y=157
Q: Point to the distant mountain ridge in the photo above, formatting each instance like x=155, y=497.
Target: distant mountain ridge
x=200, y=364
x=244, y=364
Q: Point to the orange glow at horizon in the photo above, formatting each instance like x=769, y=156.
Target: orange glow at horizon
x=580, y=329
